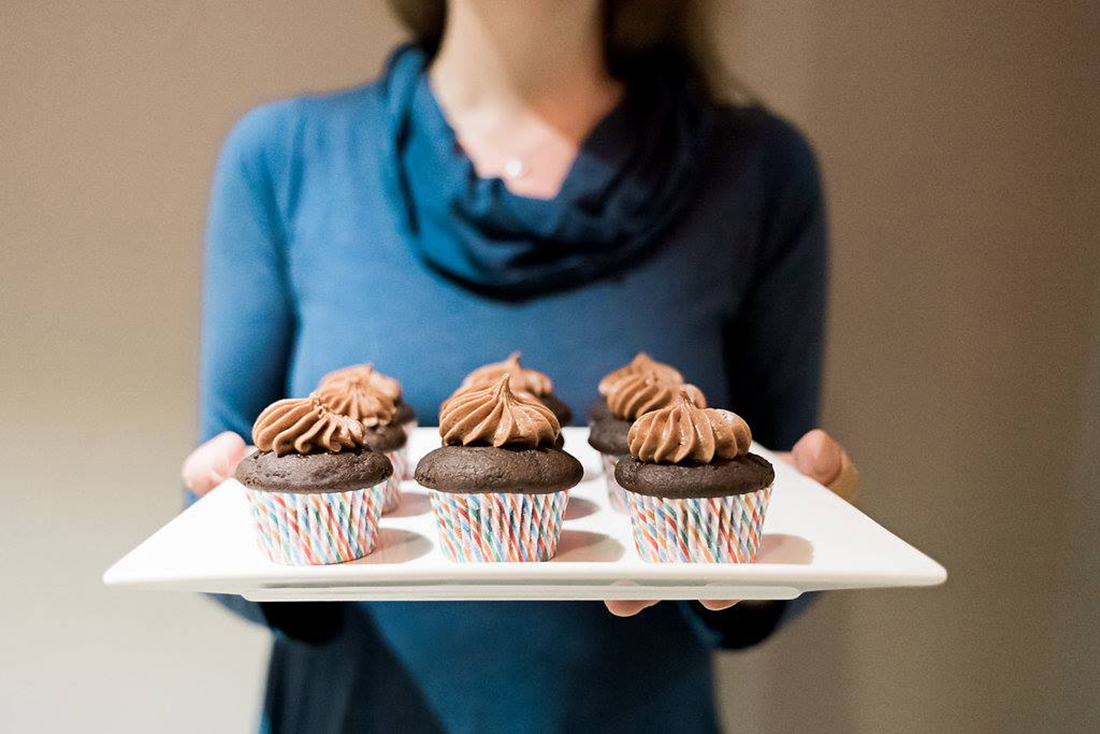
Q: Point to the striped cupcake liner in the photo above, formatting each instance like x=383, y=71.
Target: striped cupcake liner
x=616, y=495
x=315, y=528
x=408, y=468
x=698, y=530
x=390, y=490
x=499, y=526
x=389, y=494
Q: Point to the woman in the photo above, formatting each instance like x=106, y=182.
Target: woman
x=553, y=176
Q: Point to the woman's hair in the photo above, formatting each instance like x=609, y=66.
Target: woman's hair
x=641, y=38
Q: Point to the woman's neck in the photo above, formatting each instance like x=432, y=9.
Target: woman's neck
x=523, y=80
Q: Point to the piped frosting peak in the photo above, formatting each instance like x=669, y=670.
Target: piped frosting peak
x=356, y=396
x=683, y=432
x=642, y=364
x=495, y=415
x=367, y=375
x=523, y=378
x=305, y=425
x=636, y=394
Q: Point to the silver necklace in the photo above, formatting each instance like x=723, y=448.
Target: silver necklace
x=517, y=166
x=514, y=168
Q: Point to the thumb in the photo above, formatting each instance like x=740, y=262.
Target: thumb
x=820, y=457
x=213, y=462
x=231, y=449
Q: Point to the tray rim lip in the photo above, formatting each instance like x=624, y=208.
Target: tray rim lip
x=491, y=575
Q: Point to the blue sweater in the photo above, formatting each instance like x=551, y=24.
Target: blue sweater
x=309, y=267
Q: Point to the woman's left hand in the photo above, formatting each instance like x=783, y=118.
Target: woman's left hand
x=817, y=455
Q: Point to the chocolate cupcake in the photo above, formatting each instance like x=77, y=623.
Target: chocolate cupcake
x=695, y=492
x=367, y=379
x=313, y=485
x=629, y=396
x=525, y=380
x=354, y=395
x=498, y=484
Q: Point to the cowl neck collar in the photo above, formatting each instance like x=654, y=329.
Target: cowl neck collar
x=632, y=177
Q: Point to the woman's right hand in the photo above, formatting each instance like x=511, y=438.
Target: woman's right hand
x=213, y=462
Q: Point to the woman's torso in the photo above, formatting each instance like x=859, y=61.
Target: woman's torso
x=360, y=294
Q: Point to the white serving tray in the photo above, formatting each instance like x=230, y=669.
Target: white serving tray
x=813, y=541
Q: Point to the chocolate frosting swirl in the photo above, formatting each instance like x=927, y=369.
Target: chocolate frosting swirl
x=642, y=364
x=523, y=378
x=494, y=415
x=683, y=432
x=382, y=384
x=636, y=394
x=304, y=425
x=354, y=395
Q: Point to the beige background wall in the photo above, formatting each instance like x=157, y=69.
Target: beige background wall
x=959, y=143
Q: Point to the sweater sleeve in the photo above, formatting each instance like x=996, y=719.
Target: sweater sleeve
x=248, y=317
x=774, y=345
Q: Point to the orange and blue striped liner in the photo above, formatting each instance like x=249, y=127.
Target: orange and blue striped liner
x=616, y=495
x=499, y=526
x=699, y=530
x=315, y=528
x=390, y=490
x=409, y=468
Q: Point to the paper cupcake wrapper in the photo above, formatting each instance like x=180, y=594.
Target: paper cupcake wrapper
x=311, y=529
x=407, y=467
x=699, y=530
x=616, y=495
x=390, y=490
x=499, y=526
x=389, y=494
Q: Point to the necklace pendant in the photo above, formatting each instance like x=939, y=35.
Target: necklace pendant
x=514, y=168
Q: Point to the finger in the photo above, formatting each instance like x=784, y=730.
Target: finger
x=231, y=449
x=717, y=606
x=196, y=472
x=818, y=456
x=212, y=462
x=627, y=607
x=846, y=485
x=821, y=457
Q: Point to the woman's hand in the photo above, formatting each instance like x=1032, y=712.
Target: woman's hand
x=818, y=456
x=213, y=462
